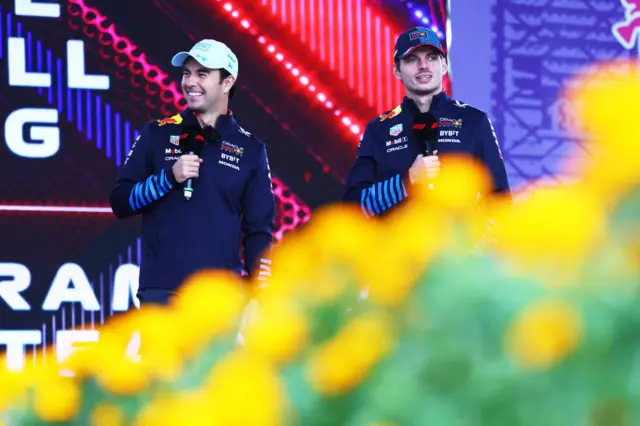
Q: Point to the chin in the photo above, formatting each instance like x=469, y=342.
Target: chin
x=195, y=107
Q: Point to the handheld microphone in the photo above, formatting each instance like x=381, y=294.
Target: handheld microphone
x=425, y=127
x=191, y=143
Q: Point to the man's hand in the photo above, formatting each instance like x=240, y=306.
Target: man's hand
x=432, y=165
x=187, y=166
x=424, y=167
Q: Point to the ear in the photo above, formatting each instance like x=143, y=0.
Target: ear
x=228, y=84
x=396, y=71
x=445, y=65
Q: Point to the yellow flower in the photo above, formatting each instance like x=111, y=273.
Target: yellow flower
x=107, y=415
x=209, y=305
x=56, y=398
x=343, y=362
x=557, y=225
x=191, y=408
x=614, y=160
x=13, y=386
x=543, y=334
x=121, y=375
x=341, y=233
x=241, y=378
x=161, y=342
x=278, y=333
x=310, y=264
x=457, y=187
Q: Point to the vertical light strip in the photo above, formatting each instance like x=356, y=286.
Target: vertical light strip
x=312, y=22
x=303, y=21
x=274, y=7
x=283, y=11
x=332, y=31
x=341, y=39
x=321, y=23
x=369, y=72
x=350, y=37
x=388, y=53
x=294, y=17
x=379, y=71
x=360, y=54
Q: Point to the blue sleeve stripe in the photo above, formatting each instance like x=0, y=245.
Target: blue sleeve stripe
x=151, y=188
x=386, y=193
x=155, y=180
x=140, y=200
x=136, y=196
x=379, y=199
x=132, y=200
x=394, y=199
x=146, y=192
x=169, y=185
x=399, y=188
x=363, y=200
x=374, y=201
x=404, y=189
x=161, y=182
x=369, y=206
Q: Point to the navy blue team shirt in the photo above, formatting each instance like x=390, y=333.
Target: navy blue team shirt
x=232, y=203
x=379, y=180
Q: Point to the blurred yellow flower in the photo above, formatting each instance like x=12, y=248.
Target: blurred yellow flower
x=614, y=162
x=107, y=415
x=55, y=398
x=13, y=386
x=242, y=378
x=556, y=225
x=209, y=304
x=162, y=348
x=190, y=408
x=341, y=233
x=543, y=334
x=121, y=375
x=343, y=362
x=458, y=186
x=278, y=333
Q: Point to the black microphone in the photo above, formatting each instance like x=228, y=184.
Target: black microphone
x=425, y=127
x=212, y=135
x=191, y=143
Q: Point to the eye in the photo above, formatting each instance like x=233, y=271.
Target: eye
x=202, y=74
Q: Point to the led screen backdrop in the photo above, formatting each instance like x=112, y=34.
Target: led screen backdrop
x=81, y=77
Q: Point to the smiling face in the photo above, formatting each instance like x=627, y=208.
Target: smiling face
x=203, y=88
x=421, y=71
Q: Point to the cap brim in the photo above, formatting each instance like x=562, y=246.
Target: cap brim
x=408, y=52
x=180, y=58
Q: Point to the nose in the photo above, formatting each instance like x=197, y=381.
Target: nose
x=188, y=80
x=423, y=64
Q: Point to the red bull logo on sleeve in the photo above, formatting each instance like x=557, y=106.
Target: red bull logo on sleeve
x=176, y=119
x=627, y=32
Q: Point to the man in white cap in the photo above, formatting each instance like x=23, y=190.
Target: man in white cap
x=227, y=195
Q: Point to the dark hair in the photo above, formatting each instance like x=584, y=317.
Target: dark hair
x=224, y=74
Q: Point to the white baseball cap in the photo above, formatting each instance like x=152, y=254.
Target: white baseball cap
x=211, y=54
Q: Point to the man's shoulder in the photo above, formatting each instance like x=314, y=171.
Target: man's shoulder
x=386, y=119
x=461, y=109
x=171, y=121
x=241, y=135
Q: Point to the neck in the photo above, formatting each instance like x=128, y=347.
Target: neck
x=209, y=118
x=423, y=102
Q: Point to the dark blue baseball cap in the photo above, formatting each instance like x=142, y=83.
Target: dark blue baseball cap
x=413, y=38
